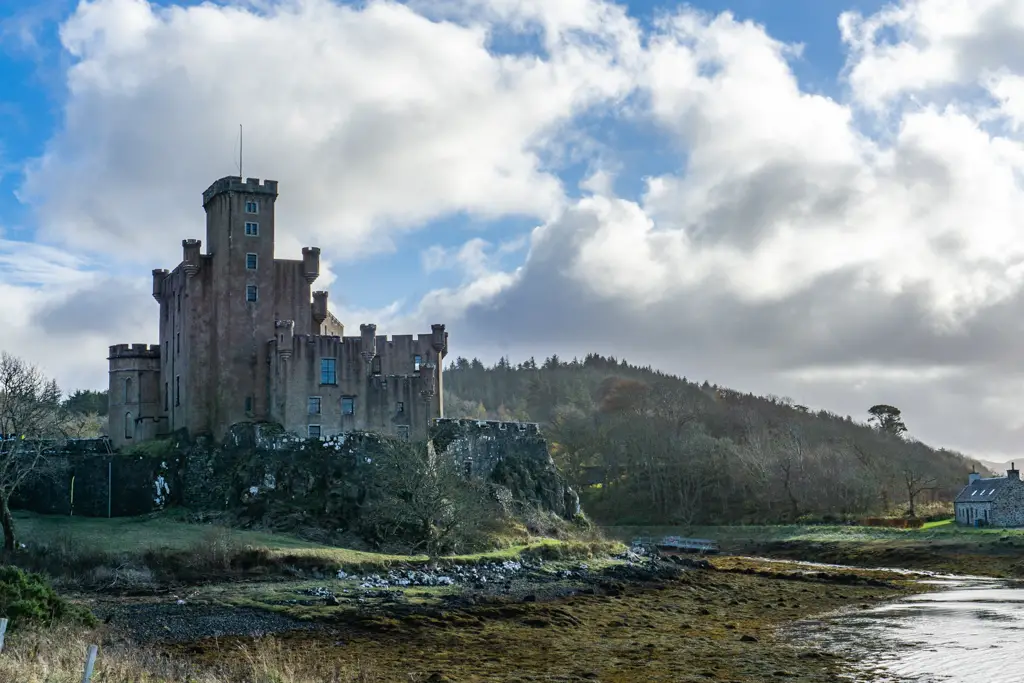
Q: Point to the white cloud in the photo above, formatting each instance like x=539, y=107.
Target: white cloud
x=804, y=249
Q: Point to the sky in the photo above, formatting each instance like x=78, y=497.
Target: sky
x=818, y=199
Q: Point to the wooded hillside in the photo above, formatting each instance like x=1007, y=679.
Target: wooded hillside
x=643, y=447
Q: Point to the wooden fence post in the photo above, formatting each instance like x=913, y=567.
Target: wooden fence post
x=3, y=632
x=90, y=661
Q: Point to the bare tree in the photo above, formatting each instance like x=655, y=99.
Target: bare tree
x=30, y=419
x=916, y=482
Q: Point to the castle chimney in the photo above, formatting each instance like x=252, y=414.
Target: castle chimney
x=319, y=309
x=368, y=342
x=158, y=282
x=190, y=256
x=311, y=263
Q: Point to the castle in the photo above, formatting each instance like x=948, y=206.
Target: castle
x=243, y=339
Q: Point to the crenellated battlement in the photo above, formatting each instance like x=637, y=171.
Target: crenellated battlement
x=134, y=351
x=234, y=184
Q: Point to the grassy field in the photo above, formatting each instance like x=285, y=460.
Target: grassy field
x=938, y=546
x=165, y=548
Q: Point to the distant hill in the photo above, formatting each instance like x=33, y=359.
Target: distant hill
x=995, y=468
x=643, y=446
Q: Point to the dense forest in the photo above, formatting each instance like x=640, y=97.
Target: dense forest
x=643, y=447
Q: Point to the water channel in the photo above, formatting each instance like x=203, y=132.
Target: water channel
x=972, y=629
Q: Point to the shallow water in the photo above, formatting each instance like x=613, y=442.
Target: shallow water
x=972, y=630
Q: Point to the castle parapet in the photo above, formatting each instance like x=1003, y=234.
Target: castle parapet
x=234, y=184
x=134, y=351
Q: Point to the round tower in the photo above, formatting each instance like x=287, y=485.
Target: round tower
x=136, y=409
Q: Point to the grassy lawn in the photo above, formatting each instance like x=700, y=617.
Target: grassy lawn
x=124, y=538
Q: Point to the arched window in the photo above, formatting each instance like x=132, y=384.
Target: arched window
x=129, y=426
x=127, y=389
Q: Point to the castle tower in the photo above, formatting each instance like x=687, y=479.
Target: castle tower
x=134, y=401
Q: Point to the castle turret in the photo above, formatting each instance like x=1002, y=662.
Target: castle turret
x=319, y=310
x=311, y=263
x=190, y=256
x=439, y=340
x=285, y=338
x=133, y=396
x=158, y=283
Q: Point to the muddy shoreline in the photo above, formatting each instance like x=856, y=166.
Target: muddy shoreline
x=649, y=620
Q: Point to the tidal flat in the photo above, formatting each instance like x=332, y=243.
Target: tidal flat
x=649, y=621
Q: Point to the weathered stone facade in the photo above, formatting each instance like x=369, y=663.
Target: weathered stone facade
x=992, y=501
x=243, y=338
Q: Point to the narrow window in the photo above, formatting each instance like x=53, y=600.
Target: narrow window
x=252, y=229
x=416, y=362
x=179, y=302
x=178, y=342
x=129, y=426
x=248, y=404
x=313, y=431
x=127, y=389
x=250, y=293
x=252, y=206
x=167, y=392
x=401, y=407
x=250, y=261
x=177, y=390
x=314, y=405
x=348, y=405
x=376, y=365
x=328, y=371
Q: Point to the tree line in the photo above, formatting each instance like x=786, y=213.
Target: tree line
x=645, y=447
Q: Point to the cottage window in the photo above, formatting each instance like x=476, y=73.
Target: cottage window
x=313, y=431
x=251, y=293
x=328, y=371
x=348, y=405
x=250, y=261
x=252, y=206
x=314, y=405
x=252, y=229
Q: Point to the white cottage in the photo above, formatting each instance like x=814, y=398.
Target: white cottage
x=992, y=501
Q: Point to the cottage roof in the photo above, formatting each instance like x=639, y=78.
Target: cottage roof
x=985, y=490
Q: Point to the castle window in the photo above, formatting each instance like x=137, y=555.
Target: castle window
x=177, y=390
x=348, y=405
x=129, y=426
x=252, y=229
x=251, y=292
x=167, y=392
x=402, y=431
x=252, y=206
x=416, y=362
x=127, y=389
x=250, y=261
x=375, y=365
x=248, y=404
x=328, y=371
x=314, y=405
x=179, y=302
x=313, y=431
x=178, y=342
x=400, y=407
